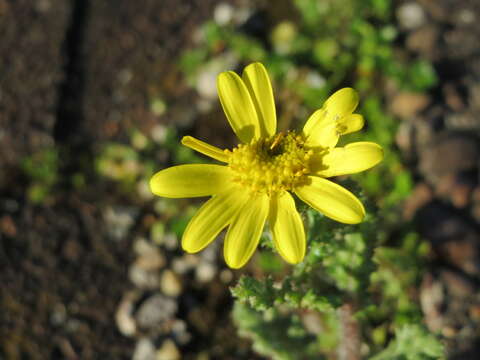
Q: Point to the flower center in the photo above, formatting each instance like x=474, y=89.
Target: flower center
x=271, y=164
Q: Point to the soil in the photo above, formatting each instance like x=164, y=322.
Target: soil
x=80, y=73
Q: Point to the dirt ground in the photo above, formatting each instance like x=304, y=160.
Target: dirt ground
x=80, y=73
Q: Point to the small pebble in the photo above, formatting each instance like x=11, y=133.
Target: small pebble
x=223, y=13
x=170, y=241
x=150, y=261
x=144, y=279
x=180, y=266
x=205, y=272
x=159, y=133
x=119, y=220
x=170, y=283
x=144, y=350
x=168, y=351
x=155, y=311
x=411, y=15
x=124, y=315
x=179, y=329
x=409, y=104
x=59, y=315
x=226, y=276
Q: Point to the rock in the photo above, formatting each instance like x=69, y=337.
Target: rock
x=226, y=276
x=179, y=330
x=170, y=241
x=465, y=17
x=410, y=15
x=155, y=310
x=168, y=351
x=452, y=97
x=7, y=226
x=456, y=284
x=223, y=13
x=476, y=204
x=124, y=315
x=182, y=265
x=143, y=278
x=59, y=315
x=431, y=299
x=406, y=104
x=151, y=260
x=421, y=195
x=404, y=138
x=464, y=121
x=474, y=97
x=143, y=190
x=171, y=283
x=453, y=237
x=474, y=312
x=461, y=44
x=424, y=41
x=448, y=154
x=159, y=133
x=144, y=350
x=119, y=220
x=205, y=272
x=142, y=246
x=456, y=188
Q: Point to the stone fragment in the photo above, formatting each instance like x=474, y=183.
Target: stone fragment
x=168, y=351
x=144, y=350
x=124, y=315
x=408, y=104
x=410, y=15
x=171, y=283
x=155, y=310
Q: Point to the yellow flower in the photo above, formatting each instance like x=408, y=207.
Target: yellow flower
x=254, y=184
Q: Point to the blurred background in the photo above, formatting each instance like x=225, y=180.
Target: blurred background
x=95, y=96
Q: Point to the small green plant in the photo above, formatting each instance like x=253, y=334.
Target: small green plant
x=343, y=267
x=41, y=169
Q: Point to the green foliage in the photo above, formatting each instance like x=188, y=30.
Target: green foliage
x=320, y=284
x=131, y=164
x=412, y=342
x=399, y=269
x=341, y=265
x=275, y=334
x=41, y=169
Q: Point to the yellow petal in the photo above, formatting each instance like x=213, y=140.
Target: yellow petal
x=332, y=200
x=350, y=123
x=287, y=228
x=351, y=159
x=191, y=180
x=339, y=104
x=324, y=135
x=238, y=106
x=211, y=218
x=335, y=118
x=205, y=148
x=244, y=233
x=314, y=119
x=258, y=84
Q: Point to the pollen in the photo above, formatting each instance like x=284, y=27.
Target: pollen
x=272, y=164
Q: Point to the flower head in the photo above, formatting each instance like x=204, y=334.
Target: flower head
x=255, y=183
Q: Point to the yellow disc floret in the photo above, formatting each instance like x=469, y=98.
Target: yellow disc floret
x=271, y=164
